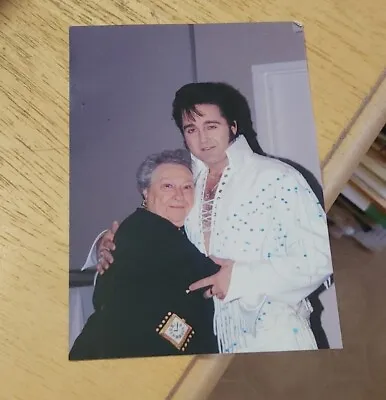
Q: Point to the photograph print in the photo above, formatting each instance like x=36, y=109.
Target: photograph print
x=197, y=220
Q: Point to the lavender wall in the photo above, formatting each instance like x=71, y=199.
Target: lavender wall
x=123, y=80
x=226, y=52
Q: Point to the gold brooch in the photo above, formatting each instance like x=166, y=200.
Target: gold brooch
x=175, y=330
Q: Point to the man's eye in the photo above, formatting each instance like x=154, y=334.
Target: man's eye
x=190, y=130
x=212, y=126
x=167, y=185
x=188, y=187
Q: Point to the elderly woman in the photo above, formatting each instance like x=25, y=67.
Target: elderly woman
x=142, y=305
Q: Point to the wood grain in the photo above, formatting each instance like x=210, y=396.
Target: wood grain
x=346, y=51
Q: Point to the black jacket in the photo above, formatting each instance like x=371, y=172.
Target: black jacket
x=154, y=264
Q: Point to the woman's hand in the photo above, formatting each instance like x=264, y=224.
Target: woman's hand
x=104, y=247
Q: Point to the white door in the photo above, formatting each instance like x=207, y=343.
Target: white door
x=283, y=111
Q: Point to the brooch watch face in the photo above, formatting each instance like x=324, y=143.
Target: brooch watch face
x=176, y=331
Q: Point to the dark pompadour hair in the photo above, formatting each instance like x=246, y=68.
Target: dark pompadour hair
x=232, y=104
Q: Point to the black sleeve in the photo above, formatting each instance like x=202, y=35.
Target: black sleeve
x=148, y=278
x=126, y=265
x=137, y=251
x=195, y=264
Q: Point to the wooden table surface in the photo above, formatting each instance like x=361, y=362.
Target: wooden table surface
x=347, y=52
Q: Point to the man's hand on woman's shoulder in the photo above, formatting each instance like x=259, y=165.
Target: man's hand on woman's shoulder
x=104, y=247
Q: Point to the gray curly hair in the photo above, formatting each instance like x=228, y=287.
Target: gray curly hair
x=146, y=169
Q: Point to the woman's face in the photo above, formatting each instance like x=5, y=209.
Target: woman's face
x=171, y=193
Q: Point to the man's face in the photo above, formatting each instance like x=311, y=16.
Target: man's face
x=208, y=135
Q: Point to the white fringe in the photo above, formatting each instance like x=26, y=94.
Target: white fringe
x=328, y=283
x=232, y=323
